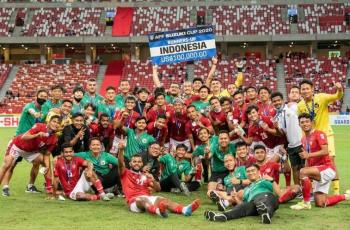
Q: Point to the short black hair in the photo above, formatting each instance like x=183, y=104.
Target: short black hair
x=161, y=116
x=78, y=114
x=94, y=139
x=66, y=145
x=58, y=87
x=205, y=128
x=111, y=88
x=306, y=81
x=140, y=118
x=77, y=89
x=304, y=115
x=223, y=132
x=90, y=105
x=276, y=94
x=253, y=165
x=103, y=115
x=214, y=98
x=250, y=87
x=158, y=95
x=183, y=146
x=136, y=156
x=198, y=79
x=224, y=99
x=130, y=98
x=240, y=144
x=191, y=106
x=238, y=92
x=259, y=147
x=264, y=88
x=294, y=87
x=67, y=100
x=41, y=91
x=251, y=108
x=204, y=87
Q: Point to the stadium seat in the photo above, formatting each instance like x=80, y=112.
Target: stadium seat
x=36, y=76
x=60, y=22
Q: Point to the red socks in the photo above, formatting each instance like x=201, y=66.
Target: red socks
x=178, y=209
x=151, y=209
x=98, y=186
x=332, y=200
x=287, y=196
x=198, y=175
x=288, y=177
x=48, y=184
x=306, y=184
x=94, y=197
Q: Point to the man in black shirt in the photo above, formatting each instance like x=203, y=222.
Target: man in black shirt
x=77, y=134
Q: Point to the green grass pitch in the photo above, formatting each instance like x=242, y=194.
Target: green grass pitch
x=32, y=211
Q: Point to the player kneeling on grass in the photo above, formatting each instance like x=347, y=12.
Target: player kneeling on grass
x=174, y=168
x=35, y=146
x=76, y=186
x=137, y=187
x=258, y=199
x=319, y=168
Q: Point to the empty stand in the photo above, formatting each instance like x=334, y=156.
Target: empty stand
x=30, y=78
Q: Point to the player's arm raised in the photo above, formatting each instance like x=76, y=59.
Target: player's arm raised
x=211, y=72
x=119, y=121
x=155, y=76
x=337, y=96
x=121, y=160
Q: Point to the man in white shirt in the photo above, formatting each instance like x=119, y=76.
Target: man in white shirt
x=288, y=124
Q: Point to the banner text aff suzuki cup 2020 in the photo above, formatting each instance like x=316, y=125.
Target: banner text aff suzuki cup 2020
x=182, y=45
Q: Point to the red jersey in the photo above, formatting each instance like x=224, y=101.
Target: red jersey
x=134, y=184
x=221, y=117
x=68, y=172
x=153, y=113
x=193, y=98
x=266, y=110
x=39, y=143
x=176, y=126
x=239, y=113
x=313, y=143
x=129, y=122
x=193, y=128
x=271, y=169
x=105, y=135
x=158, y=134
x=258, y=133
x=248, y=161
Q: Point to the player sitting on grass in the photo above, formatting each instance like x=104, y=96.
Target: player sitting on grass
x=258, y=199
x=76, y=186
x=319, y=168
x=137, y=186
x=35, y=146
x=235, y=181
x=174, y=168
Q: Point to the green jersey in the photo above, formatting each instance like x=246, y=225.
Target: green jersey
x=170, y=165
x=101, y=163
x=169, y=99
x=239, y=173
x=217, y=158
x=137, y=143
x=77, y=108
x=184, y=167
x=199, y=150
x=27, y=120
x=201, y=106
x=255, y=188
x=108, y=109
x=97, y=99
x=47, y=106
x=119, y=101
